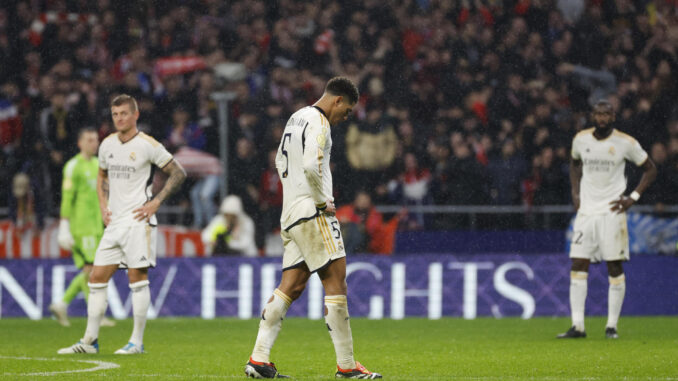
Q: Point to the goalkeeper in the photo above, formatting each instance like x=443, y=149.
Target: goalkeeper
x=81, y=225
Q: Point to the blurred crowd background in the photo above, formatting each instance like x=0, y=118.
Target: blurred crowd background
x=462, y=102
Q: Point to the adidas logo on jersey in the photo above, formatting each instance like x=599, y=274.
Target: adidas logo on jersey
x=110, y=156
x=143, y=259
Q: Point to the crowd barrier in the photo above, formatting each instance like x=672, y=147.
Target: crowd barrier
x=415, y=285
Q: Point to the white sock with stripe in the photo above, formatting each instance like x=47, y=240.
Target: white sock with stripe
x=337, y=320
x=96, y=308
x=141, y=300
x=578, y=289
x=615, y=299
x=270, y=325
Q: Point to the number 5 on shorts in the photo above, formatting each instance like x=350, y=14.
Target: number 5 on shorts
x=335, y=229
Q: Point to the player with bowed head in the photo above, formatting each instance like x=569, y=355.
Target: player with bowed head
x=128, y=209
x=310, y=231
x=599, y=156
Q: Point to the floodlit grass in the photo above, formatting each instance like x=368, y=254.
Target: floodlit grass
x=410, y=349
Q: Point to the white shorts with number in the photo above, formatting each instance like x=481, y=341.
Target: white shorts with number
x=127, y=246
x=316, y=242
x=601, y=237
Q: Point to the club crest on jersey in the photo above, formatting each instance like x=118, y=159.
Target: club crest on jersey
x=611, y=151
x=133, y=156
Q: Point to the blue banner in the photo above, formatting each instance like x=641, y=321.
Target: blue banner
x=423, y=285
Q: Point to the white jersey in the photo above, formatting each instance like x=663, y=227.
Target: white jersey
x=303, y=163
x=603, y=161
x=130, y=174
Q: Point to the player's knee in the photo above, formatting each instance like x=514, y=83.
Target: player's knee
x=580, y=265
x=136, y=286
x=614, y=269
x=295, y=292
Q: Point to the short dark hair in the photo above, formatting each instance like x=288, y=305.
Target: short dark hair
x=344, y=87
x=85, y=130
x=125, y=99
x=604, y=105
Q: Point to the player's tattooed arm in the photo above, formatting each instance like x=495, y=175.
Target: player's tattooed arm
x=105, y=187
x=102, y=193
x=575, y=179
x=177, y=175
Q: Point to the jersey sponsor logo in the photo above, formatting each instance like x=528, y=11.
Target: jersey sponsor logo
x=599, y=165
x=120, y=171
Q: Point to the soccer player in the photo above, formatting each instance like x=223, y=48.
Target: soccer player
x=80, y=228
x=128, y=210
x=310, y=231
x=599, y=156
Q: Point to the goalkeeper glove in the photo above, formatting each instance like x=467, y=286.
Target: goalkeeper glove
x=64, y=237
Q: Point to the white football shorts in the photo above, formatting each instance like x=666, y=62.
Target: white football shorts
x=602, y=237
x=127, y=246
x=316, y=241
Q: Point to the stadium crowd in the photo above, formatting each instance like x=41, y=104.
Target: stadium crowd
x=462, y=102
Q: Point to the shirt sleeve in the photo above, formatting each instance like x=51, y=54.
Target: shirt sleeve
x=68, y=189
x=575, y=149
x=314, y=144
x=636, y=153
x=160, y=156
x=103, y=160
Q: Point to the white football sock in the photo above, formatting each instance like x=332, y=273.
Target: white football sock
x=578, y=289
x=615, y=299
x=338, y=324
x=271, y=322
x=141, y=299
x=96, y=308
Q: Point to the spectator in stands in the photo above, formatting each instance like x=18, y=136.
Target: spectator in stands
x=204, y=170
x=466, y=179
x=231, y=232
x=184, y=132
x=506, y=171
x=23, y=210
x=363, y=228
x=371, y=147
x=411, y=187
x=244, y=175
x=661, y=192
x=270, y=200
x=58, y=126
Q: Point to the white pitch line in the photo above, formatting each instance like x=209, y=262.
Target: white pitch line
x=100, y=365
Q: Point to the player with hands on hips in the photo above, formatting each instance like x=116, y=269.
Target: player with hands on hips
x=128, y=210
x=599, y=156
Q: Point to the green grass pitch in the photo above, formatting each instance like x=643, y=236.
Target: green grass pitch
x=410, y=349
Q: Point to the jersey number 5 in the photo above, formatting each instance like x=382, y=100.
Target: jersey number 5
x=335, y=229
x=284, y=151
